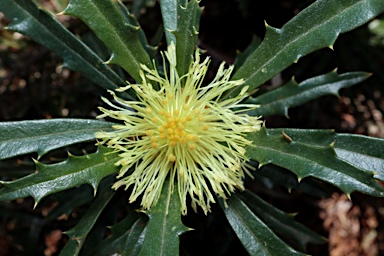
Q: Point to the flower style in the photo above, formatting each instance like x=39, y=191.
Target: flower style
x=183, y=130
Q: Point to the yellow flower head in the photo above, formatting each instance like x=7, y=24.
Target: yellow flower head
x=183, y=130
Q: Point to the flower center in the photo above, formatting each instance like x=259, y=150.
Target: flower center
x=176, y=129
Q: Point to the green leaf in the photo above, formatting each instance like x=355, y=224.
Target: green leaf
x=242, y=56
x=281, y=223
x=84, y=226
x=67, y=201
x=80, y=231
x=39, y=25
x=42, y=136
x=363, y=152
x=277, y=102
x=314, y=28
x=131, y=19
x=310, y=137
x=71, y=248
x=135, y=239
x=310, y=160
x=127, y=233
x=272, y=177
x=169, y=12
x=108, y=23
x=184, y=34
x=52, y=178
x=164, y=226
x=253, y=233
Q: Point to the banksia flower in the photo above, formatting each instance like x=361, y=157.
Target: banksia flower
x=182, y=130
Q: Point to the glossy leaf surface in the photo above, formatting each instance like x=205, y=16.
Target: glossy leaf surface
x=164, y=226
x=42, y=136
x=131, y=19
x=52, y=178
x=128, y=230
x=83, y=227
x=314, y=28
x=108, y=23
x=281, y=223
x=272, y=177
x=362, y=151
x=188, y=20
x=26, y=18
x=253, y=233
x=277, y=102
x=308, y=159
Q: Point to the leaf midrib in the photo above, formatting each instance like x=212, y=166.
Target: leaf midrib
x=247, y=227
x=50, y=179
x=310, y=161
x=50, y=134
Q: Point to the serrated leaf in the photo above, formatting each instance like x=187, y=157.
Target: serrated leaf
x=281, y=223
x=127, y=231
x=185, y=34
x=242, y=56
x=310, y=137
x=39, y=25
x=135, y=239
x=314, y=28
x=272, y=176
x=307, y=160
x=253, y=233
x=363, y=152
x=71, y=248
x=164, y=226
x=42, y=136
x=169, y=12
x=277, y=102
x=84, y=226
x=80, y=232
x=108, y=23
x=131, y=19
x=52, y=178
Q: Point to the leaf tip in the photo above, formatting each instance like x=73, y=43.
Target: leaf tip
x=286, y=113
x=349, y=196
x=94, y=190
x=286, y=137
x=331, y=47
x=299, y=179
x=134, y=28
x=35, y=204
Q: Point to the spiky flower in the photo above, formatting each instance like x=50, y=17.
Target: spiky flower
x=183, y=130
